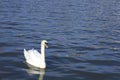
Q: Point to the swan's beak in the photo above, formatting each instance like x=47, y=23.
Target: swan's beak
x=46, y=45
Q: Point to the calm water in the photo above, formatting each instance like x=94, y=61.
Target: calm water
x=83, y=36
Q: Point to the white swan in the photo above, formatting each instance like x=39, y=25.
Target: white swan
x=35, y=58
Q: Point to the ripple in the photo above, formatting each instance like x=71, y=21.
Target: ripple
x=83, y=39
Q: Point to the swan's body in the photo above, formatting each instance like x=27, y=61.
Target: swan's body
x=35, y=58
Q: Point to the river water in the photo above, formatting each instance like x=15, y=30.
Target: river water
x=83, y=37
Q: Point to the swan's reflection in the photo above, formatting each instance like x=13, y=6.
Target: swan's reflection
x=34, y=70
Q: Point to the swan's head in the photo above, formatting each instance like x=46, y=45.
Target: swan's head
x=44, y=42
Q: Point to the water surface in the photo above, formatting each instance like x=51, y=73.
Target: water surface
x=83, y=36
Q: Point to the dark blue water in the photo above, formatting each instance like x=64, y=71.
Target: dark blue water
x=83, y=36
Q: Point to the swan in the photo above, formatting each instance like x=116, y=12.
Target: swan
x=34, y=58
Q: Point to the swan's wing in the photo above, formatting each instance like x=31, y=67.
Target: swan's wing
x=35, y=52
x=32, y=55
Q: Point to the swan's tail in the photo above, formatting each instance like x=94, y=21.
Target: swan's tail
x=25, y=53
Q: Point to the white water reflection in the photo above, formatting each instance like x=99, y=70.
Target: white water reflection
x=33, y=70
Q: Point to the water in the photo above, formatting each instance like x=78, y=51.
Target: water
x=83, y=36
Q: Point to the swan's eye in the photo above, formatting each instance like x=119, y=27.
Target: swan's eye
x=46, y=43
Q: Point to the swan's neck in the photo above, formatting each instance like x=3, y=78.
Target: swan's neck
x=43, y=53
